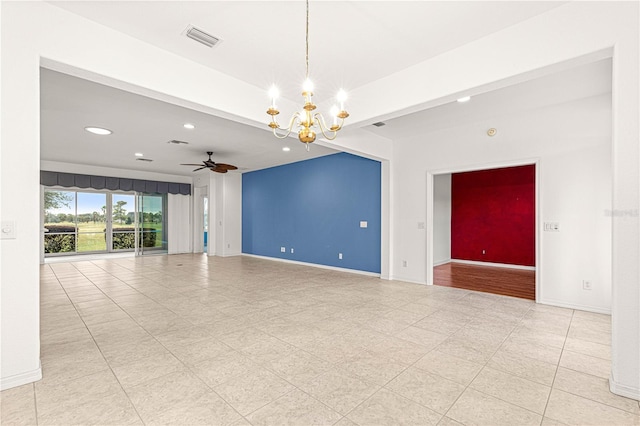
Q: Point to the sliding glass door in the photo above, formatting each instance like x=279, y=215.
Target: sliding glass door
x=79, y=222
x=90, y=223
x=123, y=222
x=60, y=222
x=152, y=229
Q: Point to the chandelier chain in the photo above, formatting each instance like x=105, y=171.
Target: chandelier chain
x=306, y=121
x=307, y=42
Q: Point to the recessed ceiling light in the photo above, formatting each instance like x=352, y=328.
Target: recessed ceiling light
x=98, y=130
x=286, y=149
x=139, y=154
x=188, y=126
x=464, y=99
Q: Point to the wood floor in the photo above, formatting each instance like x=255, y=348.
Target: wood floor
x=508, y=282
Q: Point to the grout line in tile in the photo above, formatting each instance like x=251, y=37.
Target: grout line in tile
x=105, y=359
x=484, y=366
x=558, y=364
x=35, y=402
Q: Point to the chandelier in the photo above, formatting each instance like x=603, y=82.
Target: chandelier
x=306, y=122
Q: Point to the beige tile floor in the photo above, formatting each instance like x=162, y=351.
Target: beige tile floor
x=194, y=340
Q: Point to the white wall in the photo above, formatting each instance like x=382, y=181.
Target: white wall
x=441, y=218
x=575, y=190
x=179, y=223
x=226, y=201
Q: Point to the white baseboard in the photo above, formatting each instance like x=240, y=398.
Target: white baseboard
x=407, y=280
x=495, y=265
x=579, y=307
x=441, y=262
x=623, y=390
x=21, y=379
x=315, y=265
x=231, y=254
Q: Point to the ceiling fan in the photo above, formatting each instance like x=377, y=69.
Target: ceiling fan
x=212, y=165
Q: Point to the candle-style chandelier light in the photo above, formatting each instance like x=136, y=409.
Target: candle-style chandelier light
x=306, y=121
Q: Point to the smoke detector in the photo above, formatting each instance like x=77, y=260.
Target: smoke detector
x=201, y=36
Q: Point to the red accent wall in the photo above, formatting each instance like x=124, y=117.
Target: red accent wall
x=494, y=210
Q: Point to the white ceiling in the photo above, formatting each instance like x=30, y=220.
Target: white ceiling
x=352, y=43
x=592, y=79
x=141, y=124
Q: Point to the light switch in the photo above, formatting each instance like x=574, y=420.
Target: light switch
x=420, y=225
x=552, y=226
x=363, y=224
x=8, y=230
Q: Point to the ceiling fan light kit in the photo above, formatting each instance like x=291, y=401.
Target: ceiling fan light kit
x=306, y=122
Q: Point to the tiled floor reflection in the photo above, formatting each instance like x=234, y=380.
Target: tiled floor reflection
x=189, y=340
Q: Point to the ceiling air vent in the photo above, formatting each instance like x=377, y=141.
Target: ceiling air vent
x=379, y=124
x=176, y=142
x=201, y=36
x=148, y=160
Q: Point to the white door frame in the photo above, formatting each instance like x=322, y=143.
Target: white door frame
x=499, y=165
x=199, y=193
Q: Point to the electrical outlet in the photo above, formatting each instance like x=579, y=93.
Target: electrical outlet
x=340, y=256
x=484, y=252
x=586, y=285
x=283, y=250
x=291, y=251
x=405, y=263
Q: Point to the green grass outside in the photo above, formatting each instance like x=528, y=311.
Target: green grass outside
x=91, y=236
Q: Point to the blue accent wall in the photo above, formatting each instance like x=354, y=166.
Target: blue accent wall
x=315, y=207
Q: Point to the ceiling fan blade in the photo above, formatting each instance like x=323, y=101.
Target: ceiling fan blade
x=219, y=170
x=191, y=164
x=226, y=166
x=204, y=167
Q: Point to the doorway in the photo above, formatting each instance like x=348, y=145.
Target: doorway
x=205, y=226
x=484, y=230
x=201, y=234
x=151, y=225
